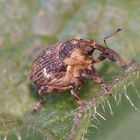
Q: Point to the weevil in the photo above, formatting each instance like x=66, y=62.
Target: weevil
x=66, y=65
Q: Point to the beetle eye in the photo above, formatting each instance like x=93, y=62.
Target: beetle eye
x=90, y=52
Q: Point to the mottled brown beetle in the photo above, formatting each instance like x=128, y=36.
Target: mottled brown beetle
x=67, y=65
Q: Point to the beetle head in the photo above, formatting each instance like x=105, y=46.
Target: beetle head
x=87, y=46
x=110, y=54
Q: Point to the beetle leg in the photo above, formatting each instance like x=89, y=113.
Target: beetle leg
x=95, y=77
x=98, y=59
x=40, y=103
x=42, y=98
x=100, y=80
x=74, y=94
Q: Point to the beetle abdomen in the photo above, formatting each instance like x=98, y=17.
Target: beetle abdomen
x=50, y=63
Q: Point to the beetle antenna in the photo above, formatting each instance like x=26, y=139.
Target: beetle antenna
x=118, y=30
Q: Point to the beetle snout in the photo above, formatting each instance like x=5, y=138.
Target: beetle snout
x=113, y=59
x=109, y=54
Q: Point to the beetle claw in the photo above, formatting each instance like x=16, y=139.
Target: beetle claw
x=34, y=110
x=37, y=107
x=106, y=89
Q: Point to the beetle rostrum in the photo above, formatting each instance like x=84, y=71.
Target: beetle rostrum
x=67, y=65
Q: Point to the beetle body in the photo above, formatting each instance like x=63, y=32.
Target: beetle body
x=67, y=65
x=60, y=66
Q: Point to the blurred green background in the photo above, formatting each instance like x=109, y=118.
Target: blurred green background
x=29, y=26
